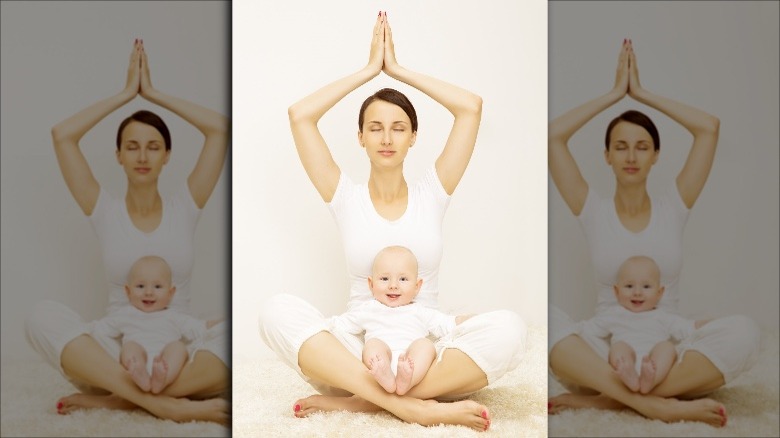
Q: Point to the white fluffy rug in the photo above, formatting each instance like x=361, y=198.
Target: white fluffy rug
x=29, y=396
x=751, y=401
x=264, y=391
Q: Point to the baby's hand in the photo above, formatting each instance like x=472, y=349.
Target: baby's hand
x=212, y=322
x=460, y=318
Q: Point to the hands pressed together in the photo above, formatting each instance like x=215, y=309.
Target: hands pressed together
x=627, y=74
x=382, y=55
x=138, y=79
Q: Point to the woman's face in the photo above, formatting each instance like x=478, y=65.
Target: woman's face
x=142, y=152
x=387, y=134
x=631, y=152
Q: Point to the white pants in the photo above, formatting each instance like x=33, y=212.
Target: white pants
x=495, y=341
x=731, y=343
x=53, y=325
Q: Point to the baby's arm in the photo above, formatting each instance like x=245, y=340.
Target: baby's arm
x=700, y=322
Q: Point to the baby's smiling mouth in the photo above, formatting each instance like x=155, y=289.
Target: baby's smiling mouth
x=393, y=296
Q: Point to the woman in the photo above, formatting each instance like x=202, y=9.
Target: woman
x=141, y=223
x=630, y=223
x=382, y=212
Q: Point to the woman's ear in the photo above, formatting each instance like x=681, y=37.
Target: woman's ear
x=360, y=138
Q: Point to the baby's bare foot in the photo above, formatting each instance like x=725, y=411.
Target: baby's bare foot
x=139, y=374
x=647, y=375
x=627, y=374
x=159, y=374
x=380, y=369
x=403, y=379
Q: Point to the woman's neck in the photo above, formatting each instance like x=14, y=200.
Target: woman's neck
x=387, y=186
x=143, y=199
x=632, y=200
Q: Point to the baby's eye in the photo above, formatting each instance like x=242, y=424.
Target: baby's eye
x=404, y=279
x=382, y=278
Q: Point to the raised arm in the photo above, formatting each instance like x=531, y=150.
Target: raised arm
x=465, y=106
x=563, y=169
x=306, y=113
x=703, y=126
x=213, y=125
x=67, y=134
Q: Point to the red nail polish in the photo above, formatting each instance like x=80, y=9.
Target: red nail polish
x=484, y=414
x=297, y=408
x=59, y=406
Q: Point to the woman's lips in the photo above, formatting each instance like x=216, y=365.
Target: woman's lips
x=386, y=153
x=143, y=169
x=631, y=169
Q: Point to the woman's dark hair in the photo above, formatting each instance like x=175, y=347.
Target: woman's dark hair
x=637, y=118
x=392, y=96
x=147, y=118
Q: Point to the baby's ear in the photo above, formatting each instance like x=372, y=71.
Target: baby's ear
x=370, y=284
x=172, y=290
x=615, y=289
x=661, y=290
x=419, y=284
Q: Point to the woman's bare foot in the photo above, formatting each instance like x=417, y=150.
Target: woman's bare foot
x=672, y=410
x=380, y=369
x=430, y=413
x=77, y=401
x=324, y=403
x=669, y=410
x=627, y=374
x=139, y=374
x=159, y=374
x=647, y=375
x=403, y=378
x=566, y=401
x=464, y=413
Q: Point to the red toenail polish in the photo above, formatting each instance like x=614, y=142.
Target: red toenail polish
x=59, y=405
x=297, y=408
x=484, y=414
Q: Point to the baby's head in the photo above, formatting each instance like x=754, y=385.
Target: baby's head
x=638, y=286
x=393, y=281
x=149, y=284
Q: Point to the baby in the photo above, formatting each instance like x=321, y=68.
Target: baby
x=638, y=329
x=396, y=327
x=152, y=348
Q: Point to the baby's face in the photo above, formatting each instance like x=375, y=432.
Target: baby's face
x=149, y=286
x=394, y=279
x=638, y=288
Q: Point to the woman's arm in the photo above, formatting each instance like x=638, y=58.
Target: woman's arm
x=563, y=169
x=214, y=126
x=304, y=115
x=67, y=134
x=703, y=126
x=464, y=105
